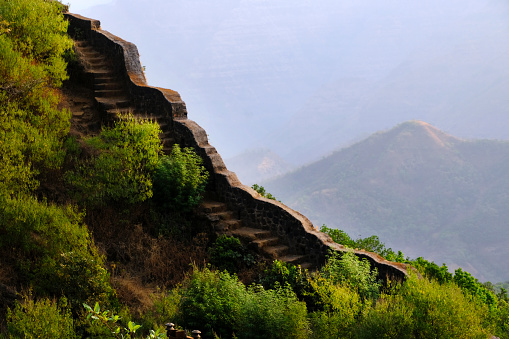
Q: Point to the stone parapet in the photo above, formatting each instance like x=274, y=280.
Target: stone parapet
x=293, y=228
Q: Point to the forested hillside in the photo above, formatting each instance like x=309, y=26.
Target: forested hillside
x=101, y=234
x=420, y=190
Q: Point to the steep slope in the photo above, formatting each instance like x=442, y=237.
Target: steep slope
x=419, y=189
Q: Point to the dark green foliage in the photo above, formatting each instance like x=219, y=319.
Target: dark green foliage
x=38, y=31
x=346, y=268
x=262, y=192
x=211, y=301
x=340, y=307
x=275, y=313
x=179, y=180
x=128, y=154
x=371, y=244
x=432, y=270
x=40, y=230
x=32, y=43
x=217, y=303
x=42, y=318
x=468, y=283
x=228, y=253
x=55, y=252
x=420, y=308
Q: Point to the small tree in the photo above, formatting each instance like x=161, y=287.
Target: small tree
x=179, y=180
x=128, y=154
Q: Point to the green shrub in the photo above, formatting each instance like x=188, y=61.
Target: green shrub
x=390, y=318
x=40, y=319
x=121, y=172
x=228, y=253
x=501, y=320
x=179, y=180
x=217, y=303
x=340, y=307
x=432, y=270
x=347, y=268
x=472, y=286
x=262, y=192
x=39, y=230
x=371, y=244
x=425, y=309
x=39, y=32
x=282, y=274
x=272, y=314
x=211, y=302
x=54, y=250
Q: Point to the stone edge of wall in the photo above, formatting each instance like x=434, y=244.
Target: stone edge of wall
x=254, y=210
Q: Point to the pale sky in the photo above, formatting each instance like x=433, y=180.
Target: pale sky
x=78, y=5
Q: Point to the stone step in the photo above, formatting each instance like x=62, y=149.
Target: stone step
x=276, y=251
x=108, y=104
x=223, y=215
x=101, y=73
x=110, y=93
x=250, y=234
x=212, y=206
x=293, y=258
x=227, y=226
x=102, y=79
x=265, y=242
x=108, y=84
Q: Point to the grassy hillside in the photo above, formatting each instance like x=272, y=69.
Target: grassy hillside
x=417, y=188
x=101, y=236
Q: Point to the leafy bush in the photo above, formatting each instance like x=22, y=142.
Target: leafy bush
x=82, y=278
x=340, y=307
x=228, y=253
x=262, y=192
x=43, y=318
x=371, y=244
x=347, y=268
x=110, y=321
x=272, y=314
x=179, y=180
x=420, y=308
x=54, y=249
x=128, y=154
x=471, y=285
x=219, y=304
x=39, y=32
x=390, y=318
x=432, y=270
x=211, y=302
x=32, y=43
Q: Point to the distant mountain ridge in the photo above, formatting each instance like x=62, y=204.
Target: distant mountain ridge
x=256, y=165
x=419, y=189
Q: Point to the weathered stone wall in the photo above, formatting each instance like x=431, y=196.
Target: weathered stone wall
x=296, y=230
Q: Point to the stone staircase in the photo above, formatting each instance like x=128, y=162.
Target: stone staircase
x=112, y=99
x=264, y=242
x=110, y=93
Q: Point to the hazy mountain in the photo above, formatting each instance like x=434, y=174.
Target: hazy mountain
x=420, y=190
x=302, y=77
x=256, y=165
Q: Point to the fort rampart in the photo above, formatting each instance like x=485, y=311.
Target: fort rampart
x=296, y=230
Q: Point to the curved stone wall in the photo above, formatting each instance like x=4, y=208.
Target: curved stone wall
x=296, y=230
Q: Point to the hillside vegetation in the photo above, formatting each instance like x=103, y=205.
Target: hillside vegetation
x=417, y=188
x=100, y=235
